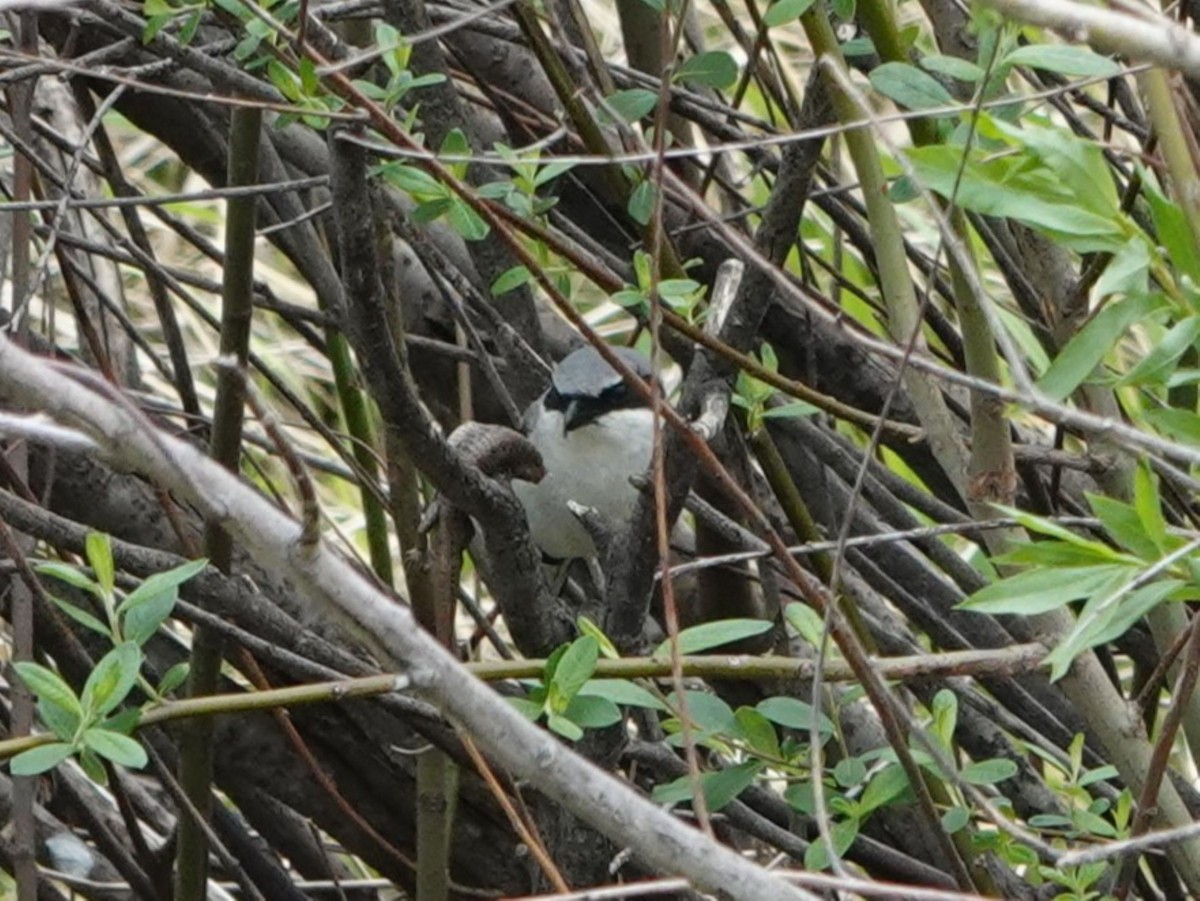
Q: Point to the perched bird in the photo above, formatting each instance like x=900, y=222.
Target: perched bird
x=594, y=433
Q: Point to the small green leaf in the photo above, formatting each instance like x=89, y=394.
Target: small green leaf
x=531, y=710
x=80, y=615
x=952, y=66
x=641, y=202
x=173, y=678
x=510, y=280
x=792, y=714
x=955, y=819
x=1159, y=363
x=99, y=554
x=784, y=11
x=116, y=747
x=1148, y=505
x=1040, y=591
x=412, y=180
x=464, y=220
x=62, y=722
x=791, y=410
x=623, y=692
x=884, y=787
x=93, y=766
x=945, y=716
x=49, y=687
x=575, y=667
x=70, y=575
x=634, y=104
x=713, y=68
x=1182, y=425
x=40, y=759
x=708, y=712
x=707, y=636
x=1092, y=344
x=1122, y=522
x=843, y=833
x=112, y=679
x=1064, y=59
x=849, y=772
x=758, y=732
x=910, y=87
x=989, y=772
x=591, y=712
x=564, y=727
x=719, y=788
x=156, y=584
x=607, y=649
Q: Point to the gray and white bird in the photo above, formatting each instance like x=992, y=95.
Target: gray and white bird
x=594, y=433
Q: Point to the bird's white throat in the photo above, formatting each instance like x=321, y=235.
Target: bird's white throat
x=590, y=465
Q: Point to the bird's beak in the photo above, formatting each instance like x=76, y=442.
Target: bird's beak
x=570, y=416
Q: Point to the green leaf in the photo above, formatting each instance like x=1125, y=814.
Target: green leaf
x=707, y=712
x=989, y=772
x=93, y=766
x=1040, y=591
x=1183, y=425
x=70, y=575
x=641, y=202
x=1063, y=59
x=1057, y=553
x=791, y=410
x=99, y=554
x=784, y=11
x=1017, y=186
x=634, y=104
x=849, y=772
x=173, y=678
x=1148, y=505
x=1102, y=620
x=910, y=87
x=510, y=280
x=79, y=615
x=792, y=714
x=806, y=621
x=49, y=687
x=40, y=759
x=158, y=583
x=1171, y=228
x=724, y=786
x=843, y=834
x=112, y=679
x=757, y=732
x=412, y=180
x=531, y=710
x=713, y=68
x=955, y=819
x=885, y=786
x=1092, y=344
x=575, y=667
x=707, y=636
x=952, y=66
x=1122, y=522
x=623, y=692
x=63, y=722
x=464, y=220
x=719, y=788
x=592, y=712
x=607, y=649
x=141, y=622
x=945, y=716
x=1160, y=362
x=564, y=727
x=157, y=8
x=116, y=747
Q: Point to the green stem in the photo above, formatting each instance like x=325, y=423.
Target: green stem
x=195, y=748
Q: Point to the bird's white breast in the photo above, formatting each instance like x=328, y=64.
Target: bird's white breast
x=590, y=465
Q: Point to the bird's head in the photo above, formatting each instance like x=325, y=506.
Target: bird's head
x=584, y=386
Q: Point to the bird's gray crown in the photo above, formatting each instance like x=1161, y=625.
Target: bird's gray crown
x=584, y=373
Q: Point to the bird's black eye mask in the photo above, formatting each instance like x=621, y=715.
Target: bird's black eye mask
x=580, y=410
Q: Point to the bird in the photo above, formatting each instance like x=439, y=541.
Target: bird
x=594, y=433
